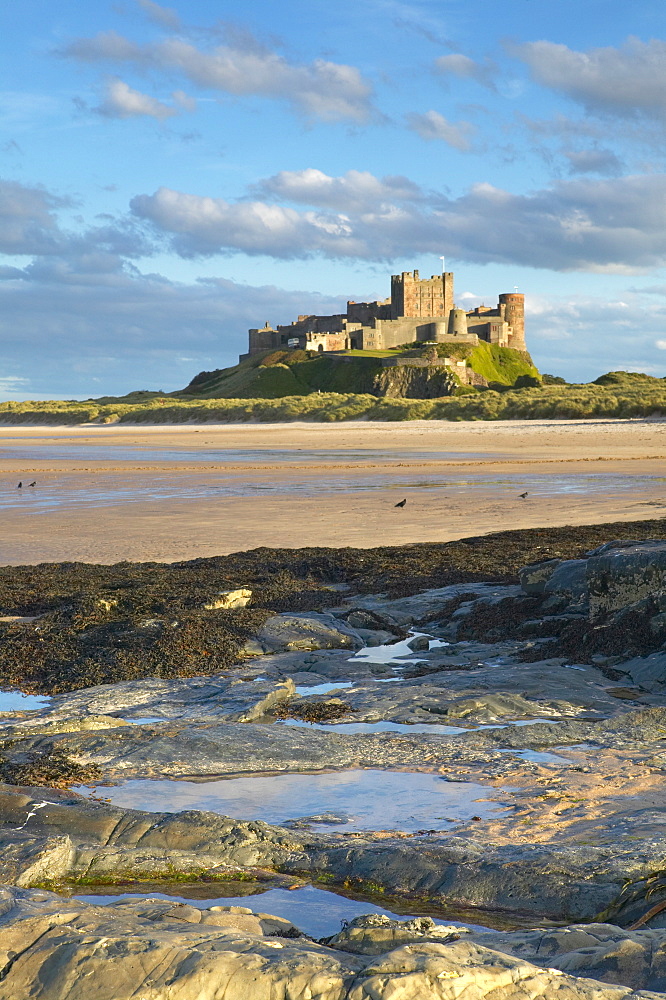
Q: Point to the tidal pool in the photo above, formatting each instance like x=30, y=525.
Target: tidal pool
x=15, y=701
x=534, y=756
x=538, y=756
x=304, y=691
x=147, y=720
x=378, y=727
x=350, y=800
x=518, y=722
x=395, y=652
x=316, y=912
x=433, y=728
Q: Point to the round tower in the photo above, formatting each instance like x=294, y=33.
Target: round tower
x=457, y=323
x=514, y=314
x=438, y=331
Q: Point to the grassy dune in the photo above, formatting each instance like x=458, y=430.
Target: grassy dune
x=617, y=394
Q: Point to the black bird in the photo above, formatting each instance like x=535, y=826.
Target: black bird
x=20, y=486
x=33, y=483
x=402, y=503
x=523, y=495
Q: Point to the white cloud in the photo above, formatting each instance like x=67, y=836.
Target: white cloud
x=463, y=67
x=626, y=81
x=432, y=125
x=357, y=190
x=184, y=101
x=615, y=225
x=323, y=90
x=122, y=101
x=206, y=226
x=165, y=16
x=105, y=45
x=410, y=17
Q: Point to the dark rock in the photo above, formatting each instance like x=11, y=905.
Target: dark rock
x=311, y=631
x=623, y=573
x=533, y=578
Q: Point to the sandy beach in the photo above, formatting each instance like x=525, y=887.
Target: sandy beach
x=105, y=494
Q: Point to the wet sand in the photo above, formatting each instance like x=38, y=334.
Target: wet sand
x=106, y=494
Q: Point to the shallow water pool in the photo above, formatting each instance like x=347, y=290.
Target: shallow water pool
x=395, y=652
x=361, y=800
x=378, y=727
x=65, y=491
x=316, y=912
x=86, y=452
x=15, y=701
x=538, y=756
x=304, y=690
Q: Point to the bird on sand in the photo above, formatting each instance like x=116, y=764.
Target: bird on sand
x=33, y=483
x=402, y=503
x=523, y=495
x=20, y=486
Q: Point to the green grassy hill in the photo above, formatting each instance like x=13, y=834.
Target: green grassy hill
x=500, y=365
x=275, y=374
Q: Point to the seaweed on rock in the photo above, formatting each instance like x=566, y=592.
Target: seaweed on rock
x=100, y=624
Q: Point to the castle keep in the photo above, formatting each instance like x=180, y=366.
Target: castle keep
x=419, y=309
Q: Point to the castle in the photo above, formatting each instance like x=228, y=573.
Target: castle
x=419, y=309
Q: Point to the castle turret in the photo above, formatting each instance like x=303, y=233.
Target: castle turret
x=457, y=323
x=438, y=331
x=512, y=307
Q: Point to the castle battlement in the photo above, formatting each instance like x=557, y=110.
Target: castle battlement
x=419, y=309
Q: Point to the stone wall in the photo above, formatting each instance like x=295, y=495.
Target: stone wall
x=365, y=312
x=384, y=334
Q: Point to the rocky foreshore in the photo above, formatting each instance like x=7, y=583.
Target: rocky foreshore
x=527, y=710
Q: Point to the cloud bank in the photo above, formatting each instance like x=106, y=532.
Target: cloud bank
x=616, y=225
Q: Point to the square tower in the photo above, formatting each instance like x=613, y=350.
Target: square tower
x=417, y=298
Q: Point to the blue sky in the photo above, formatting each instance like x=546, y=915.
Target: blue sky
x=170, y=175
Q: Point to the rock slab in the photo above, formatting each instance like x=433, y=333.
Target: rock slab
x=55, y=949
